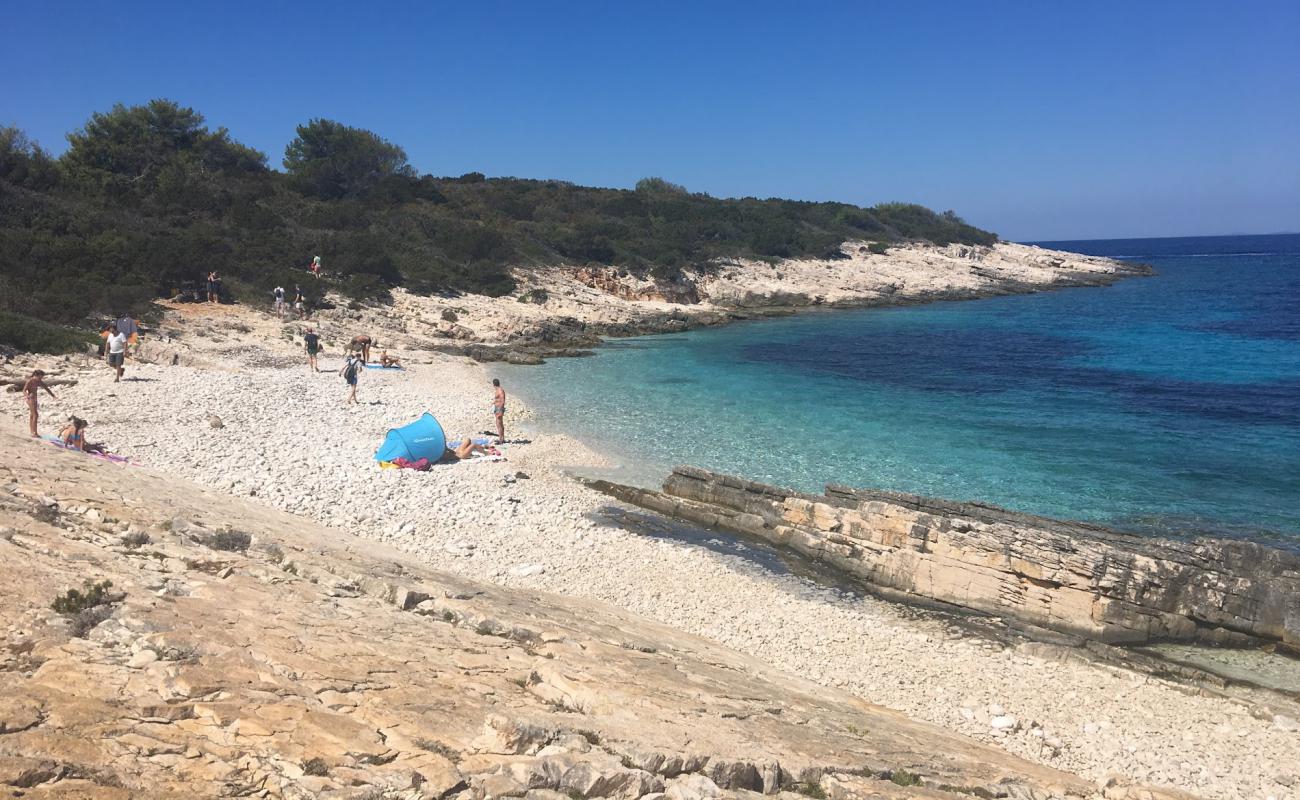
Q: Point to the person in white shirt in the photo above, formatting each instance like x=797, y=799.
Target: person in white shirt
x=117, y=353
x=279, y=300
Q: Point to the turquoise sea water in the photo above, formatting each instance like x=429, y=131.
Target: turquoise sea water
x=1167, y=404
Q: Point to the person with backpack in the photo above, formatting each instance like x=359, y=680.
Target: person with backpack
x=312, y=340
x=278, y=294
x=351, y=372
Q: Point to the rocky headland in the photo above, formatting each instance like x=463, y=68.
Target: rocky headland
x=567, y=310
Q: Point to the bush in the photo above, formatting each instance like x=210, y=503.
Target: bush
x=74, y=601
x=34, y=336
x=232, y=541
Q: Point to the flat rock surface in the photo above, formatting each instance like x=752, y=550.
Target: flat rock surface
x=304, y=663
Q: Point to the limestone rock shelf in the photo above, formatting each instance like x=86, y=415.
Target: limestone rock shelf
x=245, y=652
x=1070, y=577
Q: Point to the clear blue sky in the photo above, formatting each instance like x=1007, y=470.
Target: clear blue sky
x=1040, y=120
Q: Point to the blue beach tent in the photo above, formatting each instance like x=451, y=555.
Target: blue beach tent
x=421, y=439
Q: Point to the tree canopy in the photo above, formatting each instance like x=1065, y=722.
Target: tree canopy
x=330, y=160
x=148, y=197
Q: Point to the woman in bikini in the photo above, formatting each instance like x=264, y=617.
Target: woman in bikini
x=31, y=387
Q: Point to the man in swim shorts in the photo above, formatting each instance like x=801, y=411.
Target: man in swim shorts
x=313, y=348
x=117, y=353
x=499, y=409
x=31, y=387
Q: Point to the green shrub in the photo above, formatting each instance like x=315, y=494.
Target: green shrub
x=904, y=778
x=231, y=541
x=74, y=601
x=34, y=336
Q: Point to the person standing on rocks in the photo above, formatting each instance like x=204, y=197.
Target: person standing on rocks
x=499, y=409
x=351, y=372
x=278, y=294
x=31, y=387
x=117, y=353
x=299, y=302
x=313, y=348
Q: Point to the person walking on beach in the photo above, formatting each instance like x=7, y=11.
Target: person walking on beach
x=313, y=348
x=299, y=302
x=278, y=294
x=499, y=409
x=214, y=286
x=31, y=387
x=351, y=372
x=117, y=353
x=361, y=344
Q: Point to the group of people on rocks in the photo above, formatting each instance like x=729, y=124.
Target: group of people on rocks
x=281, y=305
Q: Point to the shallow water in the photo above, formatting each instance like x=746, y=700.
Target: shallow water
x=1168, y=404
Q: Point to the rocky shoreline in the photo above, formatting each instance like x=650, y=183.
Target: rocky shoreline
x=1075, y=578
x=567, y=311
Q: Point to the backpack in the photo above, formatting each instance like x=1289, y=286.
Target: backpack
x=351, y=371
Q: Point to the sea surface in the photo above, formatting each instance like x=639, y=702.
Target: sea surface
x=1168, y=404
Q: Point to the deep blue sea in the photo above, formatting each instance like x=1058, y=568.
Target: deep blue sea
x=1168, y=404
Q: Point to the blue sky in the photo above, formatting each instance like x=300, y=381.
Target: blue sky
x=1040, y=120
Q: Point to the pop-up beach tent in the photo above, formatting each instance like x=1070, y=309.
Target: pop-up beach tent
x=421, y=439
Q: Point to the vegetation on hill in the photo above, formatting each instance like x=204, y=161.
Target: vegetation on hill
x=149, y=197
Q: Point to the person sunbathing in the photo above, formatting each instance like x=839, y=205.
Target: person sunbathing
x=465, y=449
x=386, y=360
x=73, y=436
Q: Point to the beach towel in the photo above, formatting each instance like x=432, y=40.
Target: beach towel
x=116, y=459
x=378, y=366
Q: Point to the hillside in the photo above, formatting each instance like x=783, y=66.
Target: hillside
x=149, y=197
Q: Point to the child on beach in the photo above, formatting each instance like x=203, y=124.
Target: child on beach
x=499, y=409
x=73, y=435
x=350, y=372
x=30, y=389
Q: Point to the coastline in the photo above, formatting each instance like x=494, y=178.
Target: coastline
x=568, y=311
x=547, y=532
